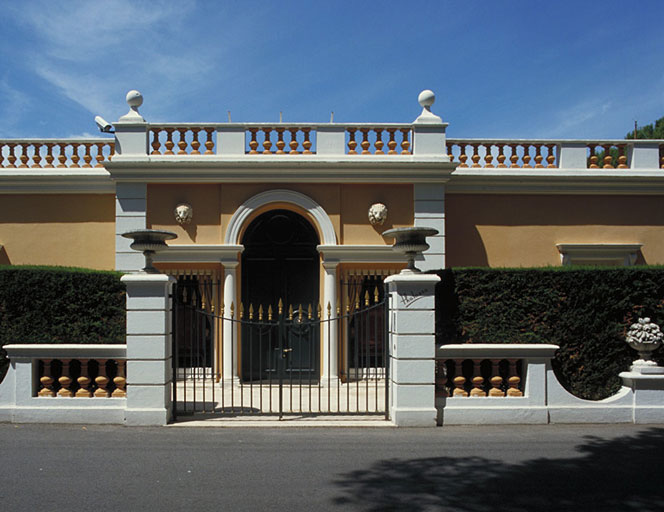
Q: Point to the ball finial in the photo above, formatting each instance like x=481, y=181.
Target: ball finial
x=134, y=99
x=426, y=98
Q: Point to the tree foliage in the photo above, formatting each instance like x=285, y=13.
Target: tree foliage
x=650, y=131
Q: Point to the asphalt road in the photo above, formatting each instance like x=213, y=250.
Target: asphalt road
x=73, y=468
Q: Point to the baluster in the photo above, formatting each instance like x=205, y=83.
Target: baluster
x=293, y=144
x=496, y=380
x=24, y=155
x=513, y=380
x=608, y=159
x=622, y=158
x=156, y=144
x=253, y=143
x=65, y=380
x=120, y=381
x=100, y=154
x=501, y=156
x=462, y=154
x=36, y=157
x=526, y=156
x=87, y=157
x=209, y=143
x=593, y=157
x=538, y=156
x=62, y=156
x=195, y=144
x=405, y=142
x=551, y=158
x=450, y=152
x=11, y=157
x=46, y=381
x=267, y=143
x=2, y=156
x=477, y=380
x=488, y=157
x=459, y=380
x=379, y=142
x=102, y=381
x=280, y=141
x=391, y=144
x=476, y=156
x=351, y=141
x=514, y=157
x=365, y=144
x=441, y=379
x=169, y=141
x=111, y=145
x=74, y=155
x=307, y=143
x=182, y=143
x=84, y=381
x=49, y=155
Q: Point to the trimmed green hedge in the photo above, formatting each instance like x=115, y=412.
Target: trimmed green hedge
x=60, y=305
x=584, y=310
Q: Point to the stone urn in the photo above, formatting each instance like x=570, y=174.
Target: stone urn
x=149, y=242
x=411, y=242
x=645, y=337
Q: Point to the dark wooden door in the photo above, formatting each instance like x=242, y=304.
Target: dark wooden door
x=280, y=262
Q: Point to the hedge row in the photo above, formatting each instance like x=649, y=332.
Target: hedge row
x=586, y=311
x=60, y=305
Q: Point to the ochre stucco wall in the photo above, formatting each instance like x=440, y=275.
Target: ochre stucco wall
x=523, y=230
x=215, y=204
x=75, y=230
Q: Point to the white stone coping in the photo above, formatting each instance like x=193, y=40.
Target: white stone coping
x=144, y=277
x=496, y=351
x=413, y=278
x=199, y=253
x=66, y=351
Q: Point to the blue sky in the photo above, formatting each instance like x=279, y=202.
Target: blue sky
x=500, y=69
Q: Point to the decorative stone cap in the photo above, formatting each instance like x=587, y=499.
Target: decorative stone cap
x=427, y=98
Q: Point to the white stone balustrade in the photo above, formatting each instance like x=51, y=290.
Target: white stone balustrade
x=65, y=383
x=543, y=398
x=55, y=153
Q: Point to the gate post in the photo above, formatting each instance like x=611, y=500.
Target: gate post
x=412, y=349
x=149, y=348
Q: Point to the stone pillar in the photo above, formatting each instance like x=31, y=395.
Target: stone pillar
x=647, y=385
x=229, y=329
x=330, y=370
x=149, y=348
x=412, y=349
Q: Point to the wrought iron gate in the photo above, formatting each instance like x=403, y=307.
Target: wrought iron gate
x=287, y=364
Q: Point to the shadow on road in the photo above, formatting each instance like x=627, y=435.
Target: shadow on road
x=622, y=474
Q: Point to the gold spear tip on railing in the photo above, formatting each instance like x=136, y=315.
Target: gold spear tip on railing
x=269, y=312
x=232, y=310
x=376, y=295
x=241, y=310
x=299, y=313
x=260, y=312
x=366, y=298
x=251, y=311
x=309, y=312
x=280, y=306
x=290, y=312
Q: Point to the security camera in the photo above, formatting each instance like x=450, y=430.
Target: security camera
x=104, y=125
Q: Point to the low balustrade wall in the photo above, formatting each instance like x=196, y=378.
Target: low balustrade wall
x=515, y=384
x=64, y=383
x=49, y=153
x=233, y=139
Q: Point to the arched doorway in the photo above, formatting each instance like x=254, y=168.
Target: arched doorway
x=280, y=262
